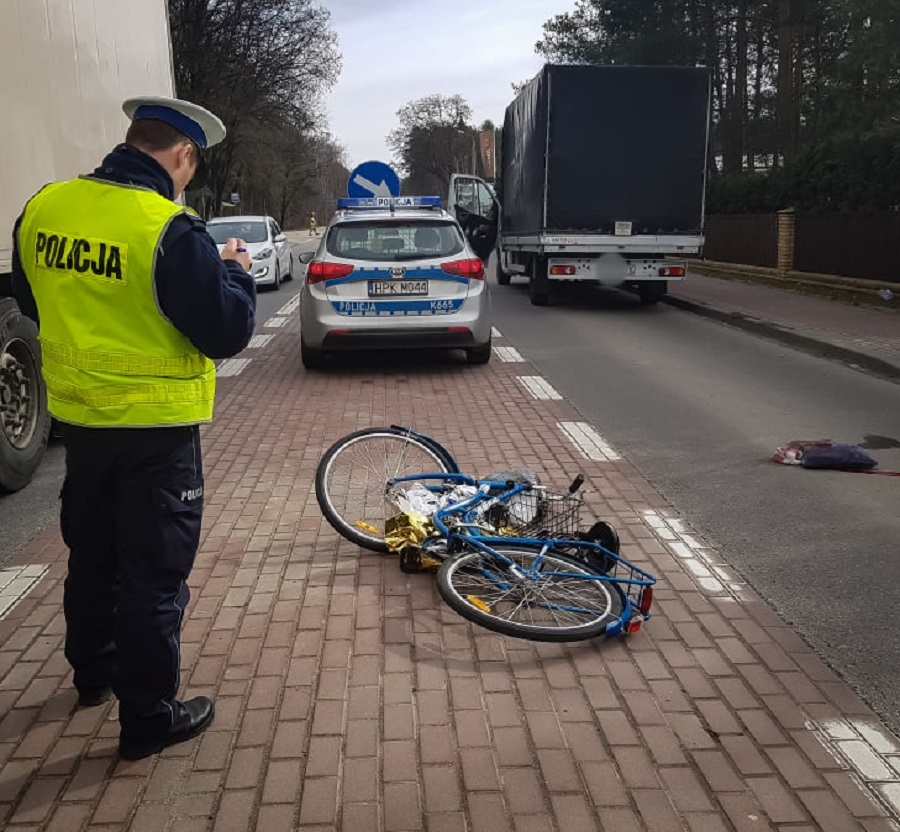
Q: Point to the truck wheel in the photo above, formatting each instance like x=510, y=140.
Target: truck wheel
x=24, y=418
x=502, y=277
x=539, y=283
x=650, y=293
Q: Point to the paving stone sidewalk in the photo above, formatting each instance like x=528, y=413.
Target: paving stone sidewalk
x=349, y=697
x=867, y=336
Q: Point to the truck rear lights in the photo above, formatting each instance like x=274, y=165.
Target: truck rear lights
x=671, y=271
x=471, y=269
x=563, y=270
x=320, y=270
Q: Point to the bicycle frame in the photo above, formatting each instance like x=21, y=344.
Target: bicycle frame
x=636, y=582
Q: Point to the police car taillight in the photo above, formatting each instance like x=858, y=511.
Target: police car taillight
x=319, y=270
x=471, y=269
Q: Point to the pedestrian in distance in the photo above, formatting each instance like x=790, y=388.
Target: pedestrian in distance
x=133, y=302
x=313, y=226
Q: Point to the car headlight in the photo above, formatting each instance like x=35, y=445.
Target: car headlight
x=265, y=254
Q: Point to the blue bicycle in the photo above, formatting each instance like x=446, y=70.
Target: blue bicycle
x=511, y=557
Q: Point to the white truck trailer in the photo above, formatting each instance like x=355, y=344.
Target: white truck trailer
x=66, y=66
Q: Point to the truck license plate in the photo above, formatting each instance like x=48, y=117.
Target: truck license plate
x=391, y=288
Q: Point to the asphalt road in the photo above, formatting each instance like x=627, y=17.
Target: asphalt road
x=699, y=407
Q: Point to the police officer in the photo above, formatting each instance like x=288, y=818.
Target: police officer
x=133, y=302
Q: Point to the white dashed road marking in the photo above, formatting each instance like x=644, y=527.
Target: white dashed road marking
x=539, y=387
x=588, y=441
x=508, y=354
x=232, y=366
x=709, y=570
x=869, y=750
x=290, y=306
x=260, y=340
x=496, y=332
x=275, y=323
x=15, y=582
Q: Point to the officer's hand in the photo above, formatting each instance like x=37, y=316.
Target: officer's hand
x=236, y=249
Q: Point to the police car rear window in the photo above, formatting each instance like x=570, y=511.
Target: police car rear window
x=393, y=240
x=249, y=232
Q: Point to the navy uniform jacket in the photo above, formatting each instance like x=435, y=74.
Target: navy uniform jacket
x=210, y=300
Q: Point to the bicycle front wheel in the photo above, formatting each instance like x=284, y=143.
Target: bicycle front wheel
x=352, y=478
x=557, y=598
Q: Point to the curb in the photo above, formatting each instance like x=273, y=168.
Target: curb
x=844, y=289
x=813, y=346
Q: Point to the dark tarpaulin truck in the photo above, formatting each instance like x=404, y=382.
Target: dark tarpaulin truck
x=603, y=179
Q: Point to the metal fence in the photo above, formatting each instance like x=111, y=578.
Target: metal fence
x=851, y=245
x=751, y=239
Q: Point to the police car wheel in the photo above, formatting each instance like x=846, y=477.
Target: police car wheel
x=24, y=418
x=480, y=354
x=311, y=358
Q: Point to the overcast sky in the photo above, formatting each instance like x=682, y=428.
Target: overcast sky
x=395, y=51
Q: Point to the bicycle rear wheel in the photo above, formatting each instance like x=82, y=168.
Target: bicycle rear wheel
x=352, y=476
x=562, y=601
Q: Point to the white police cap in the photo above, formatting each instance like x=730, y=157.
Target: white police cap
x=197, y=123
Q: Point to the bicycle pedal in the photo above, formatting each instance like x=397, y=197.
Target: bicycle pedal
x=410, y=560
x=413, y=560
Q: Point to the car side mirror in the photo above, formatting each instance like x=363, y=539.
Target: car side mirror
x=306, y=256
x=281, y=238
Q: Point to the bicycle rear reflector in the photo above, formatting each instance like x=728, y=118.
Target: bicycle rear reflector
x=646, y=600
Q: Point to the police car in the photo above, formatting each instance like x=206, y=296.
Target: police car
x=393, y=272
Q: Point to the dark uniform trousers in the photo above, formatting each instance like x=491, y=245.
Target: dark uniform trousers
x=132, y=504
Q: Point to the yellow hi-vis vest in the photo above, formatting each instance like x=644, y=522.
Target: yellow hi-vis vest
x=110, y=357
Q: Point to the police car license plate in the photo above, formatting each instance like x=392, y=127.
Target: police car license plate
x=391, y=288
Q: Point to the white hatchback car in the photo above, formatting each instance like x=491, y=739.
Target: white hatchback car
x=393, y=273
x=271, y=259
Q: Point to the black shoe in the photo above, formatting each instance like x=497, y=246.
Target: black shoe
x=92, y=697
x=195, y=717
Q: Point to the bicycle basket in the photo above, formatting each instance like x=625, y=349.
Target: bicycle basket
x=536, y=513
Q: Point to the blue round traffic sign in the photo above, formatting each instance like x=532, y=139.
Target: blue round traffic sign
x=373, y=179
